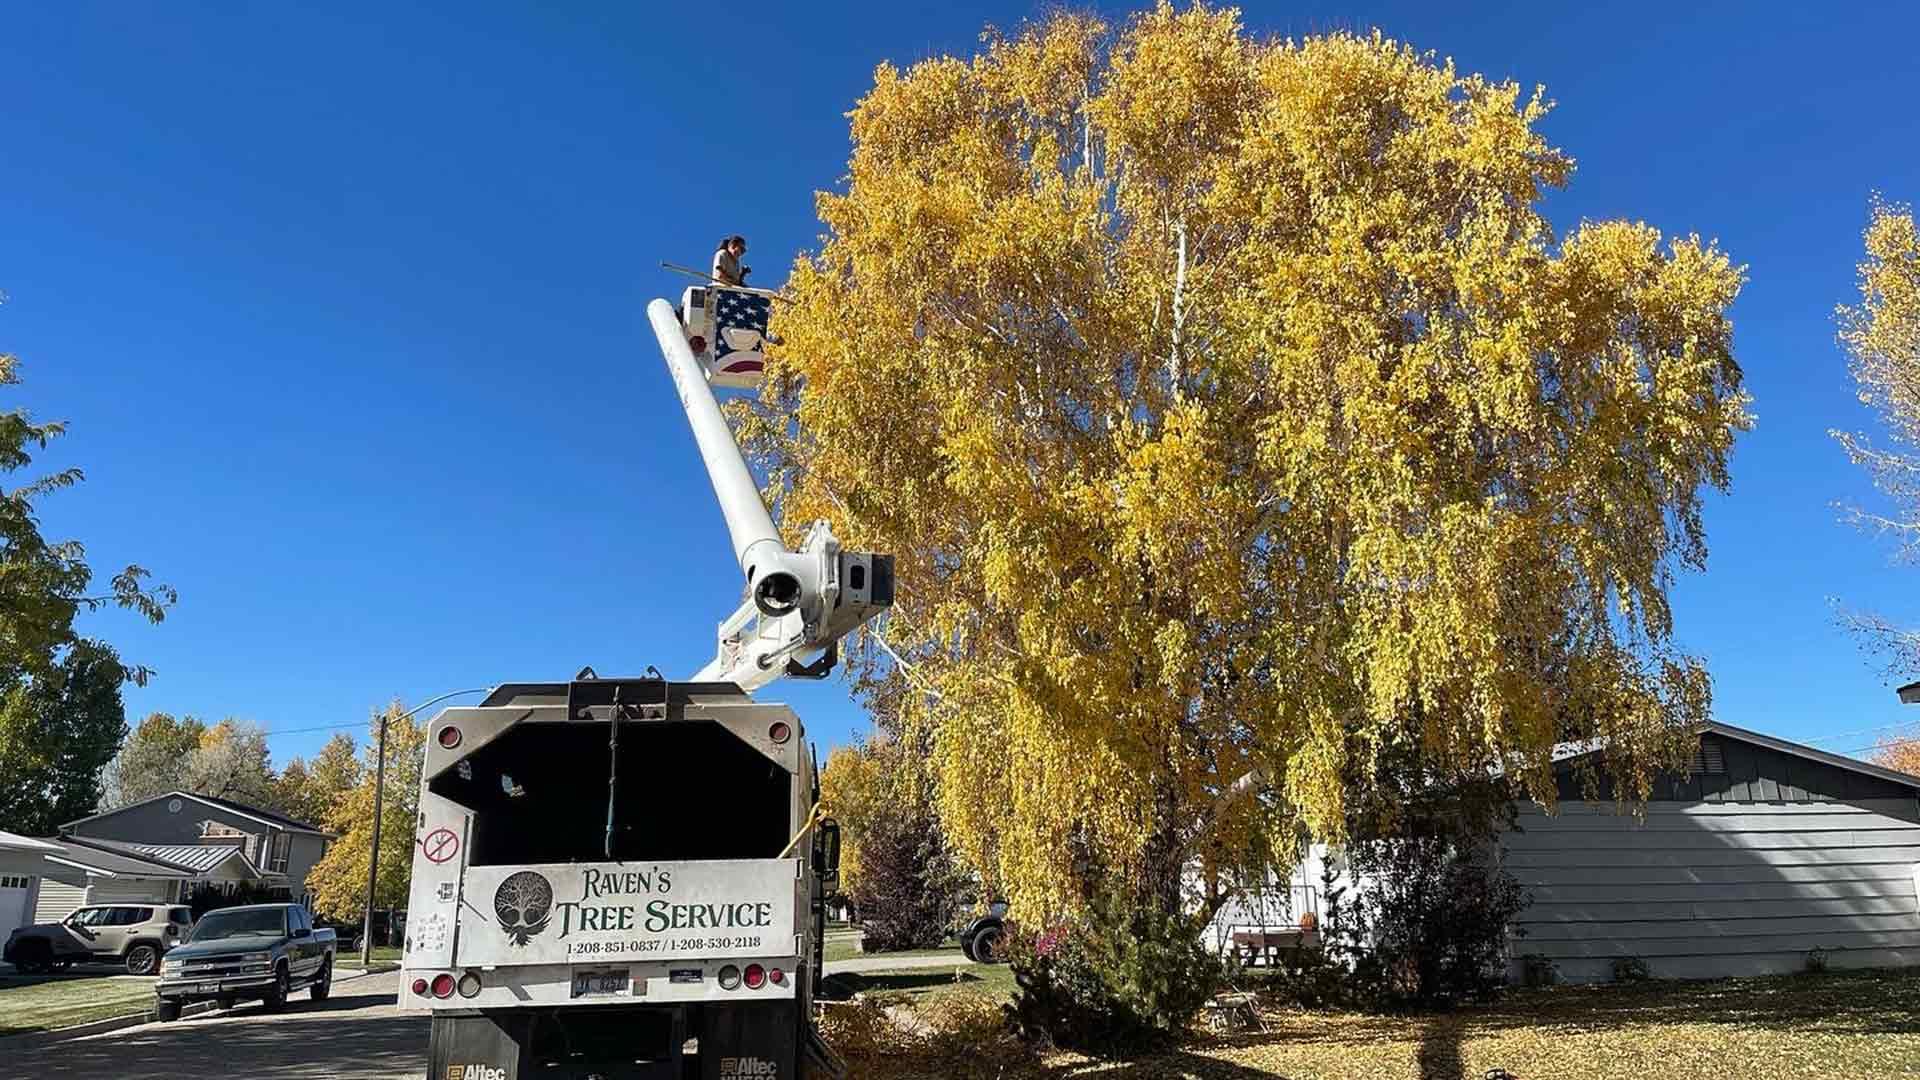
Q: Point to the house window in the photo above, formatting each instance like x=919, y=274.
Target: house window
x=282, y=845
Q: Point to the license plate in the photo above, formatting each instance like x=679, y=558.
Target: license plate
x=597, y=983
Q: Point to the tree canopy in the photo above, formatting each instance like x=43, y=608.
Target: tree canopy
x=1234, y=412
x=1881, y=335
x=61, y=715
x=153, y=760
x=339, y=880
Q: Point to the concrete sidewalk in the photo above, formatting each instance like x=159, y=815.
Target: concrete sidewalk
x=882, y=962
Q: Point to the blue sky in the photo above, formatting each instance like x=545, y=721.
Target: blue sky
x=345, y=307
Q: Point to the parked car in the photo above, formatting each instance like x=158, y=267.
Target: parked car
x=136, y=935
x=346, y=935
x=259, y=952
x=984, y=940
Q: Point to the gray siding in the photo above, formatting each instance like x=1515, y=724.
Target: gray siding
x=306, y=850
x=152, y=823
x=1722, y=886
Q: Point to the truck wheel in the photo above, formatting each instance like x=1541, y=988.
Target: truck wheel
x=143, y=959
x=323, y=982
x=276, y=997
x=166, y=1011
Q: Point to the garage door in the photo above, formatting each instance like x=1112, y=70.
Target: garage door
x=13, y=901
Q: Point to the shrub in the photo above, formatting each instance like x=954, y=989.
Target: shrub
x=1119, y=981
x=1818, y=960
x=909, y=887
x=1431, y=927
x=1630, y=969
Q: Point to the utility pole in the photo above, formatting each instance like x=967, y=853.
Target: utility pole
x=373, y=854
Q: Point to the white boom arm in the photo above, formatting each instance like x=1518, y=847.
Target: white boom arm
x=798, y=603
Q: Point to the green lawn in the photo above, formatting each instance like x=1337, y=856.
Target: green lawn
x=384, y=957
x=40, y=1002
x=841, y=945
x=1801, y=1027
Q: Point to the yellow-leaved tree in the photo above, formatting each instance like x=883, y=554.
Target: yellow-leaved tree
x=339, y=880
x=1236, y=417
x=1881, y=335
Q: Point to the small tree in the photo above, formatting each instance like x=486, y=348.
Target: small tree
x=909, y=888
x=339, y=880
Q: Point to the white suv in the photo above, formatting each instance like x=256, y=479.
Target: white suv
x=134, y=934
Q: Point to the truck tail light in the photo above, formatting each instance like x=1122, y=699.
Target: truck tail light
x=729, y=978
x=443, y=985
x=449, y=737
x=779, y=731
x=420, y=987
x=778, y=977
x=697, y=343
x=756, y=976
x=469, y=984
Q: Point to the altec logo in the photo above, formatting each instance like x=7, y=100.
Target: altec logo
x=747, y=1068
x=475, y=1072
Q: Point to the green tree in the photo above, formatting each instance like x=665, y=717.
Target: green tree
x=59, y=730
x=1229, y=402
x=58, y=723
x=339, y=880
x=153, y=760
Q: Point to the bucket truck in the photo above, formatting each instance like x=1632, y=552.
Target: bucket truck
x=625, y=877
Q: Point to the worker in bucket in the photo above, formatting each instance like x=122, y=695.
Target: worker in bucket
x=726, y=261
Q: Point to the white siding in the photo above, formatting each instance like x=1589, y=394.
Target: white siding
x=57, y=900
x=1700, y=889
x=142, y=890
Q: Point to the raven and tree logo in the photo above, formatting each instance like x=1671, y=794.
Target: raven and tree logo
x=524, y=903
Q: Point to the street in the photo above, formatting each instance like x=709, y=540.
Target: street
x=355, y=1035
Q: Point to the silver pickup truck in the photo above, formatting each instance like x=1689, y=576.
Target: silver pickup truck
x=260, y=952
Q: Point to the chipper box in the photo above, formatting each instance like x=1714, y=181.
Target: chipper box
x=608, y=874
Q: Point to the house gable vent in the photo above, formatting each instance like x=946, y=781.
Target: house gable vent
x=1708, y=758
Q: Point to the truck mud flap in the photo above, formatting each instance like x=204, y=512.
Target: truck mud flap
x=750, y=1042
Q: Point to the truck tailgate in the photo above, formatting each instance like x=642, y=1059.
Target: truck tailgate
x=560, y=913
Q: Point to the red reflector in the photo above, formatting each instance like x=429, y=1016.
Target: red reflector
x=779, y=732
x=420, y=987
x=449, y=737
x=443, y=985
x=755, y=976
x=697, y=343
x=777, y=976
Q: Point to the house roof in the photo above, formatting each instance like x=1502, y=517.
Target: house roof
x=197, y=858
x=265, y=817
x=1838, y=761
x=16, y=842
x=1565, y=752
x=106, y=862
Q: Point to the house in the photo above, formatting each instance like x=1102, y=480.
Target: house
x=1766, y=853
x=44, y=880
x=1765, y=856
x=277, y=850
